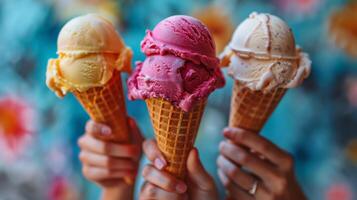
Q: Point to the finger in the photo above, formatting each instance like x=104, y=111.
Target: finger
x=151, y=192
x=136, y=133
x=111, y=182
x=197, y=173
x=237, y=192
x=137, y=137
x=257, y=166
x=235, y=174
x=257, y=143
x=234, y=192
x=98, y=174
x=153, y=153
x=95, y=128
x=92, y=144
x=163, y=180
x=100, y=160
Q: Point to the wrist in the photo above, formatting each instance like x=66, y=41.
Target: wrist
x=121, y=191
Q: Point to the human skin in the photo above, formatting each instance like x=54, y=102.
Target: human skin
x=246, y=157
x=108, y=163
x=162, y=185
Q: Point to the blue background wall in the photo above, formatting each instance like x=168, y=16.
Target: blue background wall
x=316, y=122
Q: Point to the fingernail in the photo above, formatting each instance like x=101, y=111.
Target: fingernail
x=181, y=188
x=105, y=130
x=227, y=131
x=159, y=163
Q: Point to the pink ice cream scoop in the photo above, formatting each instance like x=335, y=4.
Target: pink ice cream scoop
x=181, y=64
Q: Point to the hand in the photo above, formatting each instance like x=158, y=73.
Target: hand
x=107, y=163
x=162, y=185
x=247, y=158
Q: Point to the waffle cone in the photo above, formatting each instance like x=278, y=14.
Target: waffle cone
x=106, y=105
x=251, y=109
x=175, y=132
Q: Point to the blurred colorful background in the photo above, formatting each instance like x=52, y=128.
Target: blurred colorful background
x=316, y=123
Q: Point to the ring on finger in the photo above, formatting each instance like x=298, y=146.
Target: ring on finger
x=254, y=188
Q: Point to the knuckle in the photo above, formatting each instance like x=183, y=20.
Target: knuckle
x=218, y=162
x=107, y=148
x=240, y=136
x=210, y=185
x=227, y=149
x=265, y=146
x=289, y=160
x=146, y=171
x=244, y=158
x=169, y=185
x=227, y=183
x=147, y=144
x=86, y=172
x=132, y=151
x=150, y=190
x=109, y=172
x=90, y=126
x=81, y=141
x=282, y=184
x=82, y=156
x=108, y=162
x=232, y=172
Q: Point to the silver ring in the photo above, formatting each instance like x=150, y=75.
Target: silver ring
x=254, y=188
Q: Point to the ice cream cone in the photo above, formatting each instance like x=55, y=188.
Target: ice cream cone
x=106, y=105
x=91, y=57
x=175, y=80
x=264, y=61
x=251, y=109
x=175, y=131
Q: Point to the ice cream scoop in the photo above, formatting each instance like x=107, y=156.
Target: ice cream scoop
x=181, y=65
x=89, y=51
x=263, y=56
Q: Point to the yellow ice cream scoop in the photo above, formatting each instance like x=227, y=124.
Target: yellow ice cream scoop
x=89, y=51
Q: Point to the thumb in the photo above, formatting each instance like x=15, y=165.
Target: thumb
x=197, y=173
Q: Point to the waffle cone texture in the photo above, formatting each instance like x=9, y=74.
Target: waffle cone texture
x=251, y=109
x=175, y=132
x=106, y=105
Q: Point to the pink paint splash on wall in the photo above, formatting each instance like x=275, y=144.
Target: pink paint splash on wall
x=298, y=7
x=16, y=125
x=339, y=191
